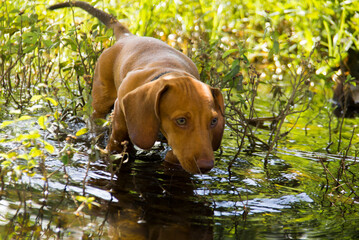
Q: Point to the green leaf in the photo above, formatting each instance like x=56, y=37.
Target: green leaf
x=81, y=131
x=35, y=152
x=23, y=118
x=42, y=122
x=34, y=135
x=30, y=48
x=35, y=98
x=229, y=52
x=56, y=115
x=81, y=198
x=275, y=47
x=30, y=37
x=6, y=163
x=47, y=43
x=70, y=42
x=6, y=123
x=23, y=156
x=65, y=159
x=48, y=147
x=53, y=101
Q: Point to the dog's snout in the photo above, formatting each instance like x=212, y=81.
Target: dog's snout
x=205, y=165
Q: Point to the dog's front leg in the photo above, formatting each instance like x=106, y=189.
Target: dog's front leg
x=119, y=132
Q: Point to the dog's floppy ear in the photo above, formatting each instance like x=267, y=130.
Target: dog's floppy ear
x=140, y=108
x=218, y=130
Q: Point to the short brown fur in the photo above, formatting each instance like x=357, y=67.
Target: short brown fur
x=154, y=88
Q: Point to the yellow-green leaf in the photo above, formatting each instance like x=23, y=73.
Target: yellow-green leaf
x=56, y=115
x=42, y=122
x=53, y=101
x=23, y=118
x=81, y=198
x=35, y=98
x=81, y=131
x=6, y=123
x=48, y=147
x=229, y=52
x=35, y=152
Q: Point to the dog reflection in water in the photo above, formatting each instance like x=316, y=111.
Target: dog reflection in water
x=155, y=202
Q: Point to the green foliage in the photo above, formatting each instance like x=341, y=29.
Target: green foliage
x=273, y=61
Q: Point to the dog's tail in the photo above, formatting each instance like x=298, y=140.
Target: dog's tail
x=110, y=21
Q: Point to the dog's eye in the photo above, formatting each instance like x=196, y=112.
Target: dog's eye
x=181, y=121
x=214, y=122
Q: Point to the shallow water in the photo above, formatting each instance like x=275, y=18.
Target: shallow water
x=149, y=199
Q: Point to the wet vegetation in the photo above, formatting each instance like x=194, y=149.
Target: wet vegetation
x=288, y=165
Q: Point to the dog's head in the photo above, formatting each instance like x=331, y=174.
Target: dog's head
x=189, y=113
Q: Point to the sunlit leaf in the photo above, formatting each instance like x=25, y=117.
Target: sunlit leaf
x=53, y=101
x=48, y=147
x=81, y=198
x=6, y=123
x=21, y=137
x=35, y=152
x=82, y=131
x=15, y=111
x=6, y=163
x=56, y=115
x=23, y=118
x=35, y=98
x=23, y=156
x=229, y=52
x=42, y=122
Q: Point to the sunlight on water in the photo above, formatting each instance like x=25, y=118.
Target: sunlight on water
x=149, y=196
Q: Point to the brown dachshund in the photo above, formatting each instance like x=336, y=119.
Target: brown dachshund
x=154, y=89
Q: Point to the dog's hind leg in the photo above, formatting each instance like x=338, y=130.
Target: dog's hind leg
x=104, y=91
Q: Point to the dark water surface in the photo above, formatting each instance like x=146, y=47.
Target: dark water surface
x=148, y=199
